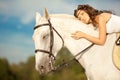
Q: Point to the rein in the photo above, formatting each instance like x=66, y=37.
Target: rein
x=50, y=53
x=66, y=63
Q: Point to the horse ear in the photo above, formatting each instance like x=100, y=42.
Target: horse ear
x=46, y=14
x=38, y=16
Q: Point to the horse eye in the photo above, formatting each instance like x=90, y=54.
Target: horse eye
x=45, y=36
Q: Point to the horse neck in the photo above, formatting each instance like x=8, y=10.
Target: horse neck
x=66, y=26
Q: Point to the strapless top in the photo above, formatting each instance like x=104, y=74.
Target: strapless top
x=113, y=25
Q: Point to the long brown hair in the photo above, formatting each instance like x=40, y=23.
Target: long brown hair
x=92, y=12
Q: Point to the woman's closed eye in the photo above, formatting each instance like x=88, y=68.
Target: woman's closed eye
x=82, y=13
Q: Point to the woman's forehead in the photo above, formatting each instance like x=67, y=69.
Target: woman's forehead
x=79, y=11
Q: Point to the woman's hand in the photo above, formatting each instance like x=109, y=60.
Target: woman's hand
x=77, y=35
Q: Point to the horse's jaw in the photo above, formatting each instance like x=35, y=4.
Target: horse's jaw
x=43, y=63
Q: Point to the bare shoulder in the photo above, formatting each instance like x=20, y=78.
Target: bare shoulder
x=102, y=18
x=105, y=16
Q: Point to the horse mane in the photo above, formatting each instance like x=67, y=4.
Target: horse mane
x=63, y=16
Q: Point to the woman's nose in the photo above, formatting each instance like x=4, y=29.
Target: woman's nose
x=82, y=19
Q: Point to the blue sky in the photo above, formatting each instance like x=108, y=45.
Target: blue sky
x=17, y=19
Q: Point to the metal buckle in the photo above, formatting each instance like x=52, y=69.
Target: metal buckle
x=118, y=41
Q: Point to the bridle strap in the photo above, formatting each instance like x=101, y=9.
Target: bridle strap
x=51, y=38
x=52, y=43
x=83, y=51
x=59, y=35
x=39, y=50
x=44, y=51
x=46, y=24
x=68, y=62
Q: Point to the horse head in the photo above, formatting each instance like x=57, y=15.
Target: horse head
x=44, y=39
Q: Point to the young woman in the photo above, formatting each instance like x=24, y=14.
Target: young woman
x=105, y=20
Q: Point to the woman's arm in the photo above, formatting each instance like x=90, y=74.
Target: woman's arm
x=97, y=40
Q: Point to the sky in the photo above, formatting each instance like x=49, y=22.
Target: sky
x=17, y=19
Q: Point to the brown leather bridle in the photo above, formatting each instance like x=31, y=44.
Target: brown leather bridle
x=50, y=53
x=51, y=38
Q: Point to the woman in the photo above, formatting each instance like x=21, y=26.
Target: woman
x=104, y=20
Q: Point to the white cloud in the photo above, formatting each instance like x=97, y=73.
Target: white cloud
x=25, y=9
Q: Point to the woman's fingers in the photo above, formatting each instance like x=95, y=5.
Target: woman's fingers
x=75, y=37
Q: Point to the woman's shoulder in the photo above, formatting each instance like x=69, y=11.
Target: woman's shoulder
x=104, y=16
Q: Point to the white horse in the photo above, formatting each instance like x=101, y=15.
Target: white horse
x=97, y=61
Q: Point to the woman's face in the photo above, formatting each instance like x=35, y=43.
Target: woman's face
x=83, y=16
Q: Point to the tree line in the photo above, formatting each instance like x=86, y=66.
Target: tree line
x=26, y=70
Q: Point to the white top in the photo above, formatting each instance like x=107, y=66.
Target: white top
x=113, y=25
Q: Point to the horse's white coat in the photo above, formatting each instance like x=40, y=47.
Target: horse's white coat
x=97, y=61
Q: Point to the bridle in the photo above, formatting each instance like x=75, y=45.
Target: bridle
x=50, y=53
x=51, y=38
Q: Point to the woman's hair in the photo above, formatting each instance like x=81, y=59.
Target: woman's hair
x=92, y=12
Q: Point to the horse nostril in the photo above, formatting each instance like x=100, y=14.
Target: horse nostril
x=42, y=67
